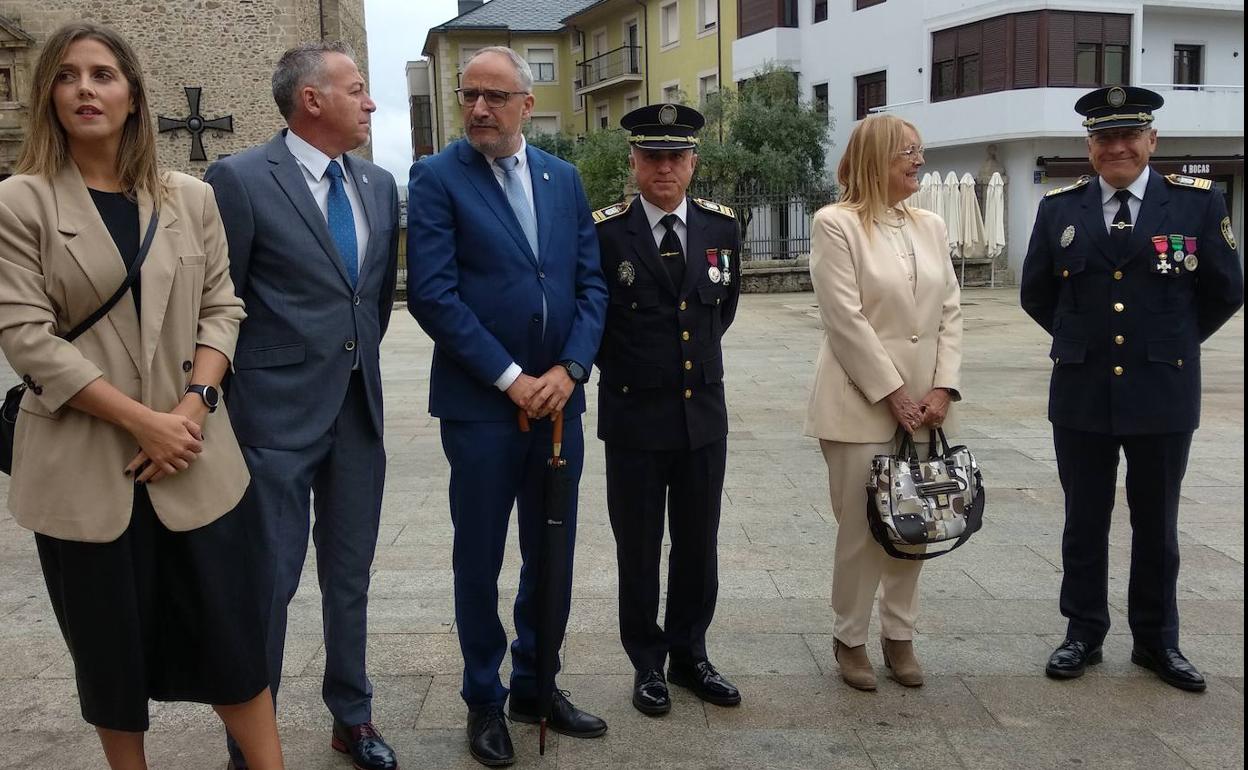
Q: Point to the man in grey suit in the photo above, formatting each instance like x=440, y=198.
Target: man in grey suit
x=313, y=237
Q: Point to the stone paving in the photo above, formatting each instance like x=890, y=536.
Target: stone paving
x=989, y=612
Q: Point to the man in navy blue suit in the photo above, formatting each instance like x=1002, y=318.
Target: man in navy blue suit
x=1130, y=271
x=503, y=274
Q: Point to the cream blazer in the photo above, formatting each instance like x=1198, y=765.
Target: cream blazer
x=878, y=335
x=58, y=264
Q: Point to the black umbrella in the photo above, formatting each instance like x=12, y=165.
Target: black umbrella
x=552, y=572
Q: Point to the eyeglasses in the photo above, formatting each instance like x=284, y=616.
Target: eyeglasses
x=493, y=99
x=1111, y=136
x=913, y=150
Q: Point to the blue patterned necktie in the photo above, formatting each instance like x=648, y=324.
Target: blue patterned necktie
x=342, y=222
x=519, y=203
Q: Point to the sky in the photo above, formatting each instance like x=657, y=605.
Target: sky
x=396, y=34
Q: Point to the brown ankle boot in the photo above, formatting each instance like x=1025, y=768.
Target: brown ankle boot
x=856, y=667
x=899, y=658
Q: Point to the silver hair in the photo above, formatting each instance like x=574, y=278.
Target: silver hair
x=301, y=66
x=523, y=72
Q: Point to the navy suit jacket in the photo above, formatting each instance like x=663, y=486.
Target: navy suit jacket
x=475, y=286
x=305, y=323
x=1107, y=309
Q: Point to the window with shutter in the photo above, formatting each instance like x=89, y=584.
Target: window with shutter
x=1061, y=49
x=872, y=91
x=994, y=57
x=1026, y=50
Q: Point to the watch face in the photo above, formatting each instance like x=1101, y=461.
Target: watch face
x=576, y=371
x=211, y=396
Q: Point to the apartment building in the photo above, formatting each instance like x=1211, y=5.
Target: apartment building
x=991, y=84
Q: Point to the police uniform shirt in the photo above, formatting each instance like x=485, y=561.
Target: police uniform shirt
x=1109, y=203
x=654, y=214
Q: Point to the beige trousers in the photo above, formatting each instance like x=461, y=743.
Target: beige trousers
x=861, y=566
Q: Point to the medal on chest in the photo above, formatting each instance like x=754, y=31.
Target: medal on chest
x=712, y=258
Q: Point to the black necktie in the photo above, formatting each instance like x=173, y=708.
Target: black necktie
x=671, y=252
x=1120, y=230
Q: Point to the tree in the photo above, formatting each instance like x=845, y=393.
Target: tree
x=601, y=157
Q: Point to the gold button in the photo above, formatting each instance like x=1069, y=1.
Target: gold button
x=1118, y=370
x=683, y=305
x=1065, y=273
x=1117, y=275
x=914, y=338
x=684, y=336
x=1180, y=363
x=688, y=365
x=1119, y=339
x=1119, y=307
x=688, y=393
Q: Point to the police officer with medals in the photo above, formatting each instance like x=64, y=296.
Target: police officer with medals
x=1129, y=271
x=672, y=269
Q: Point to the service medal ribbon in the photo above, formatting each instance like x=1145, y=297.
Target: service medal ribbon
x=1189, y=244
x=1160, y=244
x=712, y=258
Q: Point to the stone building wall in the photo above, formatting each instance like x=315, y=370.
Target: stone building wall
x=226, y=47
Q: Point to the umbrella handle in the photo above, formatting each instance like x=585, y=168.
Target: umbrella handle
x=523, y=419
x=558, y=432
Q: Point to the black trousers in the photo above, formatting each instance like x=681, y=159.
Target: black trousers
x=1088, y=466
x=640, y=485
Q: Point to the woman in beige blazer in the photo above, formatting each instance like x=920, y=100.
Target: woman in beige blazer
x=124, y=471
x=890, y=357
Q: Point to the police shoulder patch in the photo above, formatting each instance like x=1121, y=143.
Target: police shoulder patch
x=717, y=208
x=611, y=212
x=1182, y=180
x=1083, y=180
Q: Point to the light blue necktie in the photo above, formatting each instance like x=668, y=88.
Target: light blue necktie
x=342, y=222
x=519, y=203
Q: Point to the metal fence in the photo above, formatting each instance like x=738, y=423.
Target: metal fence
x=775, y=222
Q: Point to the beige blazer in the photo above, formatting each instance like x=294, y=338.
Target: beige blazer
x=58, y=264
x=878, y=333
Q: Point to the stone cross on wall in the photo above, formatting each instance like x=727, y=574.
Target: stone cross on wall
x=195, y=123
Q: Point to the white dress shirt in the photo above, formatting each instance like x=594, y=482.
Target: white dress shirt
x=513, y=372
x=654, y=214
x=313, y=163
x=1109, y=204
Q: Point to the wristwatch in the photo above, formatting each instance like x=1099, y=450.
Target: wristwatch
x=575, y=370
x=210, y=395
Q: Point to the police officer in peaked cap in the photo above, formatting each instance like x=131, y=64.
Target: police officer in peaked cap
x=1129, y=271
x=672, y=267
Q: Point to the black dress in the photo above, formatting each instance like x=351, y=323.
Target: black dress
x=157, y=614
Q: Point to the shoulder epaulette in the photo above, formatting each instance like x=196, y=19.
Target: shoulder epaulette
x=1180, y=180
x=1083, y=180
x=717, y=208
x=611, y=212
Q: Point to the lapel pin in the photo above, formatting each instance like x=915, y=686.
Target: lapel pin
x=546, y=175
x=364, y=177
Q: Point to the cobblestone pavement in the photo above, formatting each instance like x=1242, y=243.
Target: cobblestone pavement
x=989, y=612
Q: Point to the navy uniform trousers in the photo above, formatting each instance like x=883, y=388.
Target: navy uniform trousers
x=1127, y=313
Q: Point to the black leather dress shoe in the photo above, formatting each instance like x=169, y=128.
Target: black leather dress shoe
x=368, y=750
x=1169, y=664
x=1071, y=659
x=488, y=739
x=650, y=695
x=565, y=718
x=705, y=682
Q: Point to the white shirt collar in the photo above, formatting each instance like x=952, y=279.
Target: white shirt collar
x=308, y=156
x=1137, y=187
x=654, y=213
x=522, y=157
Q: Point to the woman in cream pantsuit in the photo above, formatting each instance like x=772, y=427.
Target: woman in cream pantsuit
x=891, y=354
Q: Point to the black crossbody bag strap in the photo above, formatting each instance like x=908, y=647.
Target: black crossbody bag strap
x=132, y=275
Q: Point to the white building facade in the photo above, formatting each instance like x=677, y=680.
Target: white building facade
x=991, y=84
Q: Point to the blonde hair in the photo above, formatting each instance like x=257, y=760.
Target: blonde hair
x=46, y=149
x=864, y=168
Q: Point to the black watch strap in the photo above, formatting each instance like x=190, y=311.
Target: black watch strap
x=575, y=370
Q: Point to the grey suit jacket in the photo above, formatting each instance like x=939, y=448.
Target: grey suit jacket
x=305, y=324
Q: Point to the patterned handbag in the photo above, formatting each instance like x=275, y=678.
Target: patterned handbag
x=913, y=502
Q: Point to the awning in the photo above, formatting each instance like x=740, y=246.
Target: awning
x=1191, y=165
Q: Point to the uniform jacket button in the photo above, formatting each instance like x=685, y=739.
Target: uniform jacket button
x=688, y=393
x=624, y=389
x=1119, y=339
x=1179, y=363
x=1119, y=307
x=1065, y=273
x=688, y=365
x=1117, y=275
x=1118, y=370
x=349, y=345
x=633, y=305
x=684, y=336
x=683, y=305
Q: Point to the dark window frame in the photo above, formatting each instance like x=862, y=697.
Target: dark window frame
x=861, y=4
x=864, y=85
x=949, y=74
x=819, y=11
x=1189, y=60
x=820, y=101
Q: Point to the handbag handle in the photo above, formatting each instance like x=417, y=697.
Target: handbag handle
x=131, y=276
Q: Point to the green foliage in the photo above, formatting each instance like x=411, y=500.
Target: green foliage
x=601, y=158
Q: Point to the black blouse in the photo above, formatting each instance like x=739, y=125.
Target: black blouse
x=121, y=217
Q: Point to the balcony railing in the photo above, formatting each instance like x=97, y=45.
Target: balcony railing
x=619, y=64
